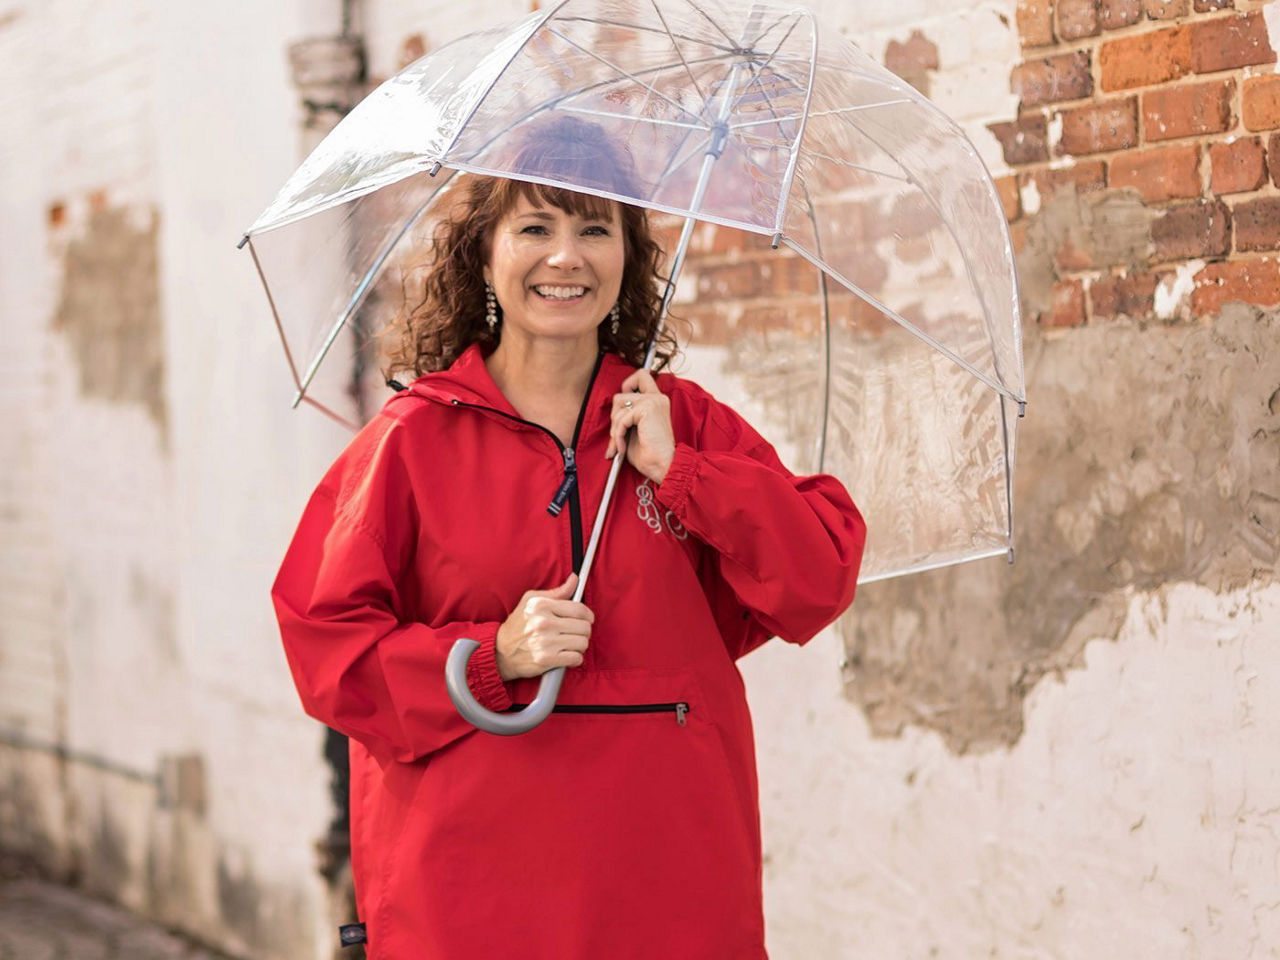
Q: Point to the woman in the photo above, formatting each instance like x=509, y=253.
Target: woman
x=627, y=824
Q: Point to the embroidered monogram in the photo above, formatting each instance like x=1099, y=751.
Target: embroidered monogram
x=648, y=510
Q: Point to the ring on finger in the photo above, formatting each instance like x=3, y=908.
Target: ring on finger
x=628, y=404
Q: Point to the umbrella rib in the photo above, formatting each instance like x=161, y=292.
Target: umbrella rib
x=855, y=166
x=643, y=29
x=765, y=32
x=902, y=321
x=760, y=123
x=555, y=102
x=634, y=119
x=968, y=267
x=785, y=190
x=551, y=12
x=735, y=45
x=271, y=301
x=933, y=565
x=858, y=107
x=791, y=29
x=679, y=53
x=613, y=66
x=673, y=168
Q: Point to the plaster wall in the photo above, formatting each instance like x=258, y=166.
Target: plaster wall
x=154, y=470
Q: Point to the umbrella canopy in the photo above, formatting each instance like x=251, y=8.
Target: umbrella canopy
x=895, y=359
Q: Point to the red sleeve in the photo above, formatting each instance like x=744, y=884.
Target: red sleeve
x=358, y=666
x=787, y=548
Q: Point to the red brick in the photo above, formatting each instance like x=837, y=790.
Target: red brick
x=1200, y=229
x=1226, y=43
x=1248, y=281
x=1205, y=6
x=1024, y=140
x=1257, y=224
x=1162, y=174
x=912, y=59
x=1188, y=110
x=1068, y=305
x=1166, y=9
x=1260, y=102
x=1131, y=296
x=1050, y=79
x=1099, y=127
x=1145, y=58
x=1238, y=165
x=1085, y=177
x=1273, y=158
x=1077, y=19
x=735, y=281
x=1035, y=22
x=1010, y=197
x=1073, y=255
x=1018, y=236
x=1119, y=13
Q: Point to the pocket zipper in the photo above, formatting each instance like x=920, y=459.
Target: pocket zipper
x=680, y=708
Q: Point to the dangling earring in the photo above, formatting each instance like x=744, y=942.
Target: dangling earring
x=490, y=308
x=614, y=314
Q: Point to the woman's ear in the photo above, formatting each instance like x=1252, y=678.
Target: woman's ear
x=487, y=274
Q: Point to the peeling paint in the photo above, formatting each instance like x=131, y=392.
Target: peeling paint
x=109, y=309
x=1150, y=459
x=1271, y=17
x=1030, y=194
x=1173, y=293
x=1054, y=133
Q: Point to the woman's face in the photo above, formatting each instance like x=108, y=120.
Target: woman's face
x=555, y=274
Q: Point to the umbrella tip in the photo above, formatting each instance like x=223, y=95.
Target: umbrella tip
x=1022, y=409
x=776, y=241
x=435, y=168
x=1011, y=556
x=243, y=241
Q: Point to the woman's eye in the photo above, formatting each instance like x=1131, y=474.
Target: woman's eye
x=597, y=231
x=533, y=228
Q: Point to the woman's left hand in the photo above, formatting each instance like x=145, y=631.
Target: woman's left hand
x=649, y=411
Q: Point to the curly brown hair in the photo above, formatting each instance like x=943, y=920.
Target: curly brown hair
x=451, y=314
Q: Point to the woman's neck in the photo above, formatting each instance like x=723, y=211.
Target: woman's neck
x=545, y=380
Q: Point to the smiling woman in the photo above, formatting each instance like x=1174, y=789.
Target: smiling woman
x=432, y=333
x=626, y=826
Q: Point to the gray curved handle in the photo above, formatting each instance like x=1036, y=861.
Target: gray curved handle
x=503, y=724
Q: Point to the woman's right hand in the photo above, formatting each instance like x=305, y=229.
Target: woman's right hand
x=546, y=630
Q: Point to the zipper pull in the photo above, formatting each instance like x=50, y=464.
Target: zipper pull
x=681, y=710
x=566, y=485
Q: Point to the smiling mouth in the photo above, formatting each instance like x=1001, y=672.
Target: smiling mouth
x=548, y=292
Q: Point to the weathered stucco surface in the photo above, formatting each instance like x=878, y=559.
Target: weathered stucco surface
x=1149, y=455
x=1135, y=817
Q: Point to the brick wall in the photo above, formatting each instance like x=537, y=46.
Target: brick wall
x=1171, y=103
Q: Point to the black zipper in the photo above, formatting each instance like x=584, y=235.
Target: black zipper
x=680, y=708
x=568, y=489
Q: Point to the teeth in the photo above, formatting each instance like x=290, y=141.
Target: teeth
x=560, y=293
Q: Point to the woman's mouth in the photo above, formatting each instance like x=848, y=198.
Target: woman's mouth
x=559, y=294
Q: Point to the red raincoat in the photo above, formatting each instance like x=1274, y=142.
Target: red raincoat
x=626, y=825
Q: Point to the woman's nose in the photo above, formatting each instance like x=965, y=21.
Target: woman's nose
x=565, y=254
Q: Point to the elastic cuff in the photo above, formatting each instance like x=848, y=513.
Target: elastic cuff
x=482, y=671
x=674, y=489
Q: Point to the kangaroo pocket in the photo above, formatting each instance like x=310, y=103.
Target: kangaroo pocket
x=617, y=828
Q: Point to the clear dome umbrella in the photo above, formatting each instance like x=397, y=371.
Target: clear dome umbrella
x=874, y=327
